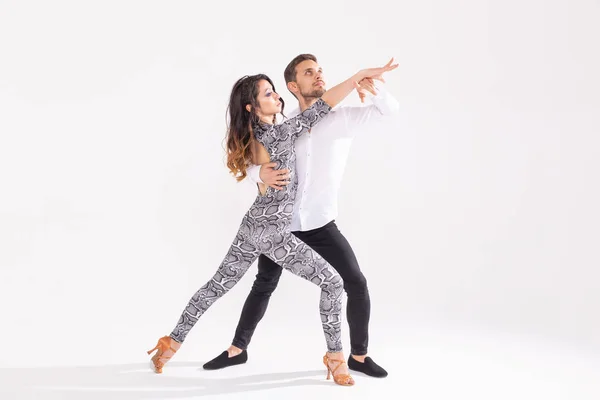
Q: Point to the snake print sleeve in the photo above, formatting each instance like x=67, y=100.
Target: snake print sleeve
x=289, y=130
x=303, y=121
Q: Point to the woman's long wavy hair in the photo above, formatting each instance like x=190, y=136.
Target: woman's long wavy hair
x=239, y=123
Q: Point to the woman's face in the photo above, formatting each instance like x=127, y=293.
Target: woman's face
x=268, y=101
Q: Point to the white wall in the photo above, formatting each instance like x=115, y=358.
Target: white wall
x=476, y=209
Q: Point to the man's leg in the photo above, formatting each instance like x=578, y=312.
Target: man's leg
x=253, y=311
x=257, y=301
x=329, y=242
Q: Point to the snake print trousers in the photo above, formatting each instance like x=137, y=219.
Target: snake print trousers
x=290, y=253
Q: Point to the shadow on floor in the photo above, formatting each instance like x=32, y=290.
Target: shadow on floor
x=138, y=381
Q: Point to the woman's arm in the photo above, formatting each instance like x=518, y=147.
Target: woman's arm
x=313, y=114
x=302, y=122
x=339, y=92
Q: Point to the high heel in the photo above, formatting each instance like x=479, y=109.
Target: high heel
x=340, y=379
x=164, y=344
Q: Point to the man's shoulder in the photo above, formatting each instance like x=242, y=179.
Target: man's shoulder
x=334, y=111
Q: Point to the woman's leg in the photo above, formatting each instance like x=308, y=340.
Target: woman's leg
x=295, y=256
x=329, y=242
x=240, y=257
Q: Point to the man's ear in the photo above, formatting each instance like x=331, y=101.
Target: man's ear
x=292, y=87
x=248, y=107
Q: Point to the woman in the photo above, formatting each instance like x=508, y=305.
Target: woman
x=254, y=138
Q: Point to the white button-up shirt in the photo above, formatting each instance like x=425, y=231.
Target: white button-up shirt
x=321, y=157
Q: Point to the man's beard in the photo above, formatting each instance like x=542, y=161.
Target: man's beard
x=313, y=94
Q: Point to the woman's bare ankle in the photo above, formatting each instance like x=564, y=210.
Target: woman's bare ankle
x=175, y=345
x=339, y=367
x=338, y=355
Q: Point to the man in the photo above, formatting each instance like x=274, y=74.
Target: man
x=321, y=155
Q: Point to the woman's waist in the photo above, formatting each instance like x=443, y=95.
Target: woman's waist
x=276, y=197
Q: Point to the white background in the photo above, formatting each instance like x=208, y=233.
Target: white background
x=473, y=214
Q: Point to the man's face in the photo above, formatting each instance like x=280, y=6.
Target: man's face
x=310, y=81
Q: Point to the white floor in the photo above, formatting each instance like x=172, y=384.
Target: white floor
x=423, y=363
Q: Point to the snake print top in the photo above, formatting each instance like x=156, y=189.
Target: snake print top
x=272, y=212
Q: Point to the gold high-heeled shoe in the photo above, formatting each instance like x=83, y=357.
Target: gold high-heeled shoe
x=165, y=343
x=340, y=379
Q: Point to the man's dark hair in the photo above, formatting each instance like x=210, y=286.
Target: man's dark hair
x=290, y=71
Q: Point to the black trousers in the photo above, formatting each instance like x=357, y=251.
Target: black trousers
x=329, y=242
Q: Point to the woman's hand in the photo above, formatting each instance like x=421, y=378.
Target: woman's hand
x=377, y=73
